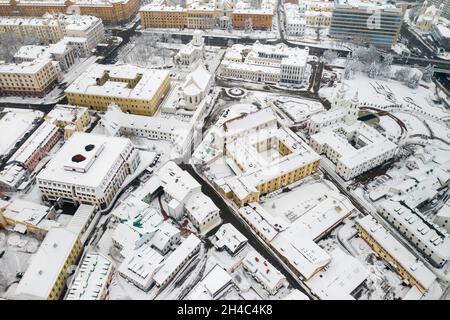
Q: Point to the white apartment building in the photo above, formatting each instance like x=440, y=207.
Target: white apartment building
x=44, y=29
x=266, y=64
x=177, y=260
x=203, y=213
x=61, y=52
x=229, y=238
x=183, y=196
x=178, y=132
x=213, y=286
x=140, y=266
x=431, y=240
x=295, y=20
x=85, y=27
x=88, y=169
x=178, y=187
x=263, y=271
x=53, y=28
x=92, y=279
x=371, y=148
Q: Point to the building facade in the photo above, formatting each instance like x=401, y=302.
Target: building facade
x=266, y=64
x=88, y=169
x=108, y=11
x=92, y=280
x=136, y=90
x=205, y=16
x=260, y=19
x=35, y=78
x=62, y=248
x=365, y=22
x=69, y=118
x=156, y=16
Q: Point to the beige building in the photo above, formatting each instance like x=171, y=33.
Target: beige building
x=136, y=90
x=46, y=30
x=35, y=78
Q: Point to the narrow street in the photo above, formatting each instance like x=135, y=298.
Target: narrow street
x=229, y=217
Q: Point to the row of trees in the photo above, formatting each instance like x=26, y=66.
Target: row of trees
x=145, y=49
x=371, y=62
x=10, y=44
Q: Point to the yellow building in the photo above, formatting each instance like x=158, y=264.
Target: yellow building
x=163, y=17
x=3, y=205
x=34, y=78
x=26, y=216
x=136, y=90
x=410, y=268
x=45, y=278
x=69, y=118
x=295, y=161
x=108, y=11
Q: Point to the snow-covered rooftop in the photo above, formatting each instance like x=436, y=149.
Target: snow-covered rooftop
x=401, y=254
x=13, y=125
x=116, y=86
x=41, y=275
x=263, y=270
x=94, y=169
x=340, y=278
x=303, y=254
x=65, y=113
x=200, y=207
x=24, y=211
x=177, y=258
x=229, y=237
x=176, y=182
x=141, y=265
x=91, y=278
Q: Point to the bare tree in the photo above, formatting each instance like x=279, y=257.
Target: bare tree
x=330, y=56
x=248, y=26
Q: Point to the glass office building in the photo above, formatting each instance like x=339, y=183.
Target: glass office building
x=366, y=22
